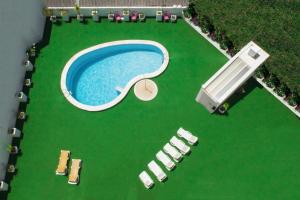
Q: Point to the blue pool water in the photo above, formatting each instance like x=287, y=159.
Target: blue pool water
x=93, y=77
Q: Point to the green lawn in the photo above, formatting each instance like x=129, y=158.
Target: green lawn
x=252, y=153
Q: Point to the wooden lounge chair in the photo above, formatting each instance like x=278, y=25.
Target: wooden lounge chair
x=74, y=173
x=63, y=162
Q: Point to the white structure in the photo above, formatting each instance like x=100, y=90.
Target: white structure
x=231, y=76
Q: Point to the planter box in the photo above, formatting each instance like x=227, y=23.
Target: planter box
x=66, y=18
x=14, y=132
x=3, y=186
x=126, y=16
x=28, y=66
x=96, y=18
x=159, y=16
x=22, y=97
x=22, y=115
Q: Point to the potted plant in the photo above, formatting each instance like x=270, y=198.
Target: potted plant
x=203, y=24
x=223, y=108
x=11, y=168
x=95, y=15
x=126, y=15
x=191, y=10
x=282, y=90
x=21, y=115
x=293, y=99
x=142, y=17
x=64, y=15
x=186, y=13
x=12, y=149
x=27, y=82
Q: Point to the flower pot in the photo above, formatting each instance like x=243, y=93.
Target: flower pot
x=14, y=150
x=22, y=115
x=11, y=169
x=27, y=82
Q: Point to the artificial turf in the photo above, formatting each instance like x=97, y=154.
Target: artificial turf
x=251, y=153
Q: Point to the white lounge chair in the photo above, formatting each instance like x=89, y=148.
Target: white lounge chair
x=146, y=179
x=180, y=145
x=172, y=151
x=188, y=136
x=164, y=159
x=157, y=171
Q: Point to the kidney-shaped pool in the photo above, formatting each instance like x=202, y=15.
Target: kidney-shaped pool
x=99, y=77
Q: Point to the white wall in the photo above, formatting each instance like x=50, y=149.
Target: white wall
x=22, y=24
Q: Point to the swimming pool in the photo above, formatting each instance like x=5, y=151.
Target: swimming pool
x=99, y=77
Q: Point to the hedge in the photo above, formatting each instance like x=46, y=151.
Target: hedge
x=274, y=25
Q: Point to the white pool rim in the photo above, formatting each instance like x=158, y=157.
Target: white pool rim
x=122, y=95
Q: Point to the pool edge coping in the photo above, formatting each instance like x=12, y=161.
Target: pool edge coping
x=128, y=86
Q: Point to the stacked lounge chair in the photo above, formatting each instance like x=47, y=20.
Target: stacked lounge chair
x=175, y=150
x=63, y=162
x=74, y=174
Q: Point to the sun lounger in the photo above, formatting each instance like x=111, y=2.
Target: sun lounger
x=189, y=137
x=74, y=174
x=146, y=179
x=172, y=151
x=157, y=171
x=63, y=162
x=164, y=159
x=180, y=145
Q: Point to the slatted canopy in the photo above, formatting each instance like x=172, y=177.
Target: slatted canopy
x=116, y=3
